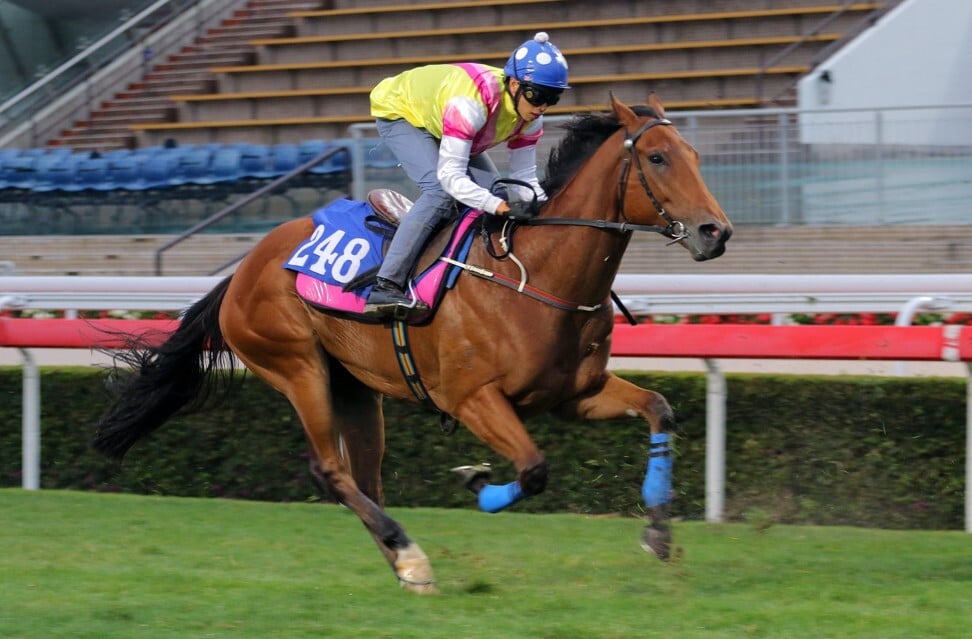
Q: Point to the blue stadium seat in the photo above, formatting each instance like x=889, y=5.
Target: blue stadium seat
x=20, y=171
x=284, y=158
x=156, y=169
x=55, y=172
x=6, y=170
x=309, y=149
x=225, y=166
x=191, y=167
x=255, y=160
x=337, y=163
x=124, y=172
x=90, y=174
x=58, y=151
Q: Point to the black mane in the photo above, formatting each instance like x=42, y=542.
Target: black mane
x=585, y=133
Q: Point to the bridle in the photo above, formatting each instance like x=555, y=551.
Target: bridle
x=675, y=230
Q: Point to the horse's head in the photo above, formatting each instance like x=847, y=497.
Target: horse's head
x=660, y=183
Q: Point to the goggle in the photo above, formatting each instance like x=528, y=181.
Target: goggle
x=538, y=96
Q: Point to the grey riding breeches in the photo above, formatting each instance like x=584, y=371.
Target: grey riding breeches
x=417, y=151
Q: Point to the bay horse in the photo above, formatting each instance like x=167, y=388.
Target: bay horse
x=490, y=356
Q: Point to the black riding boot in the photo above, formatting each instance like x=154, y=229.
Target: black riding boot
x=388, y=299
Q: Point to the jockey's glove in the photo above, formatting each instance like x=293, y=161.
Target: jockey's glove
x=522, y=210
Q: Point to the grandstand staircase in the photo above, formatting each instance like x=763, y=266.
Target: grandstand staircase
x=189, y=71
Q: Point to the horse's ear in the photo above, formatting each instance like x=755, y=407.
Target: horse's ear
x=624, y=114
x=656, y=104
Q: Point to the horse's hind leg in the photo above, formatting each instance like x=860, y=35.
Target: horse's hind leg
x=619, y=398
x=360, y=422
x=296, y=366
x=308, y=391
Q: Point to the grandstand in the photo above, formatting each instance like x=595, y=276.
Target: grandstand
x=213, y=100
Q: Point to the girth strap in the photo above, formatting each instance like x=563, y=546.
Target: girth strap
x=403, y=353
x=407, y=365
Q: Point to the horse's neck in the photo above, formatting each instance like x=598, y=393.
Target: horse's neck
x=580, y=259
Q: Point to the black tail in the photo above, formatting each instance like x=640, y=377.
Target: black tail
x=161, y=380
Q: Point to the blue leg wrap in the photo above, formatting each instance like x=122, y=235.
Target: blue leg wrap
x=493, y=498
x=657, y=489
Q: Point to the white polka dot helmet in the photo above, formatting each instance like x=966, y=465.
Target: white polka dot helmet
x=538, y=61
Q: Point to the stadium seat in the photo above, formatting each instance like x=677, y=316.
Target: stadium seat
x=156, y=170
x=191, y=167
x=284, y=158
x=255, y=160
x=91, y=173
x=309, y=149
x=20, y=171
x=55, y=172
x=225, y=166
x=124, y=172
x=337, y=163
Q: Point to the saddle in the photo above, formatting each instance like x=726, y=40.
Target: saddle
x=390, y=205
x=336, y=265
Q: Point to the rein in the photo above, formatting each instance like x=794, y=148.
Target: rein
x=675, y=230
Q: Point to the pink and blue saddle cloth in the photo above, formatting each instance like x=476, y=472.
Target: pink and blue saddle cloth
x=337, y=265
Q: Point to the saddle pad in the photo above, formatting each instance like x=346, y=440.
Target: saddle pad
x=347, y=243
x=343, y=245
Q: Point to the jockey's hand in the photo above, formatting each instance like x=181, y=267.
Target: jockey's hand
x=522, y=211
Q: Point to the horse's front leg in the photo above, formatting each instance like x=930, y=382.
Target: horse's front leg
x=490, y=416
x=618, y=398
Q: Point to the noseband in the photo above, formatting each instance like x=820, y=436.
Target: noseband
x=675, y=230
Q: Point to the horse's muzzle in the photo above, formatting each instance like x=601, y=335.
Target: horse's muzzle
x=709, y=241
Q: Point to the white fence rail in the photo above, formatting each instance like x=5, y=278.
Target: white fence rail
x=677, y=294
x=905, y=294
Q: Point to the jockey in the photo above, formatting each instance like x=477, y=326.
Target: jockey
x=439, y=120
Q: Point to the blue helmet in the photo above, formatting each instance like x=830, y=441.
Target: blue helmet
x=538, y=61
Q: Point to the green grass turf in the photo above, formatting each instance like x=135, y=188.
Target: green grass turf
x=77, y=565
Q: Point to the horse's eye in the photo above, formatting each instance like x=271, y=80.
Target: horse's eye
x=656, y=158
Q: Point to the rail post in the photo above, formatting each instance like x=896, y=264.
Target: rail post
x=715, y=441
x=30, y=450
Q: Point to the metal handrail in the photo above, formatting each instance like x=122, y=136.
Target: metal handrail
x=236, y=206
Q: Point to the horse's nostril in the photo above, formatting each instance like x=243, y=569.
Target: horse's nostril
x=714, y=233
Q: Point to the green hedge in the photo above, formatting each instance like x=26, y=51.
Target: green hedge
x=861, y=451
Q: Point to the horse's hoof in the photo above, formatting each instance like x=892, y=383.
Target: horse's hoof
x=657, y=540
x=414, y=571
x=419, y=589
x=474, y=477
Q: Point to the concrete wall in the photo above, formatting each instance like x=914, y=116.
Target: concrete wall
x=916, y=55
x=33, y=41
